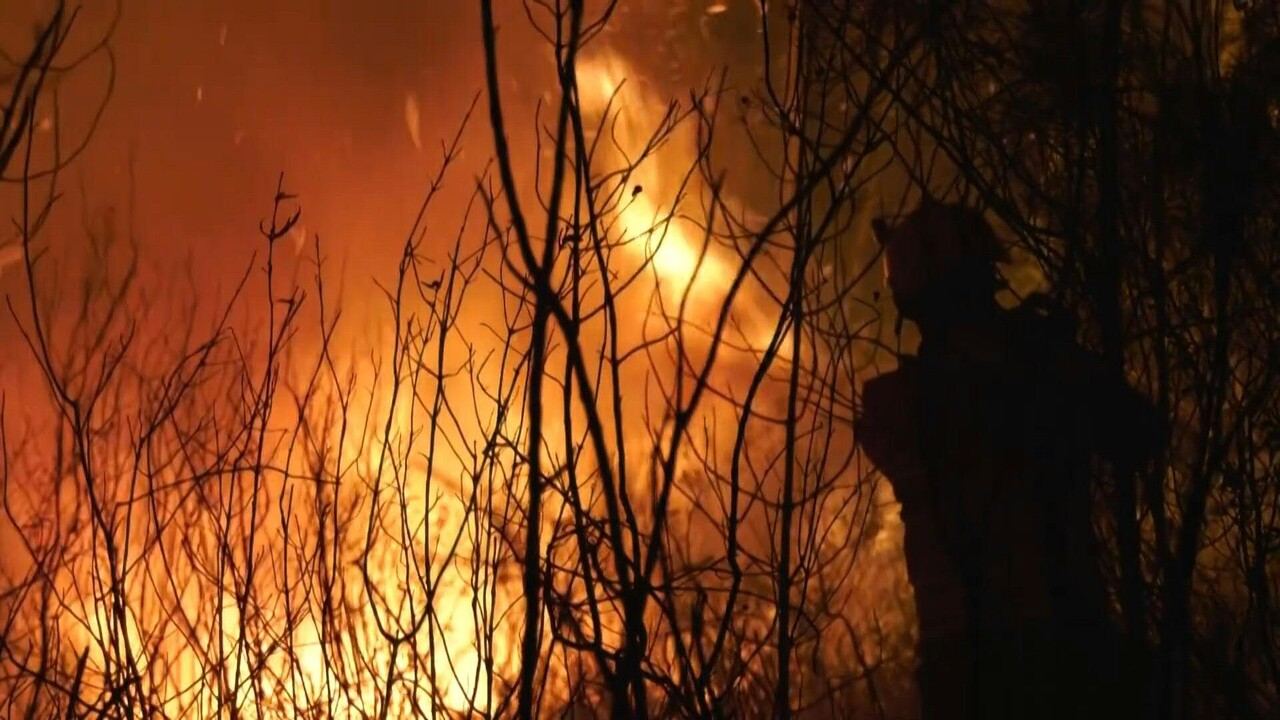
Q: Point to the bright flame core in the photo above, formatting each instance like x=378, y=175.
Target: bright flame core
x=651, y=215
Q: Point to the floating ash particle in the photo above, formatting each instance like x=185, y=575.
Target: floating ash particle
x=199, y=93
x=222, y=35
x=413, y=119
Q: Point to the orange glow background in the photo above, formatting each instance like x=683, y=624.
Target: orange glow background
x=213, y=100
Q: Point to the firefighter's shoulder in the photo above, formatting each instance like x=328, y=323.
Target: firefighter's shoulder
x=889, y=399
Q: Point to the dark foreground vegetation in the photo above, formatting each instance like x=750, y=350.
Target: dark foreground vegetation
x=600, y=457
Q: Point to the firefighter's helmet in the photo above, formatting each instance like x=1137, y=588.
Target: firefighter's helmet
x=938, y=252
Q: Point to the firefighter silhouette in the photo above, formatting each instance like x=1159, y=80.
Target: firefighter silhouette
x=989, y=436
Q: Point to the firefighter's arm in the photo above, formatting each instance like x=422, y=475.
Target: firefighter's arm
x=883, y=418
x=887, y=431
x=1122, y=425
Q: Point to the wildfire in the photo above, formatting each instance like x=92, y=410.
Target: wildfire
x=652, y=216
x=385, y=581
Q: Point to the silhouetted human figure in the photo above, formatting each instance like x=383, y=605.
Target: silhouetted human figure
x=988, y=436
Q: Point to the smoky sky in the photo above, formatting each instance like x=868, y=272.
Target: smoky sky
x=213, y=99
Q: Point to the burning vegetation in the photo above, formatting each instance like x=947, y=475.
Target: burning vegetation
x=590, y=443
